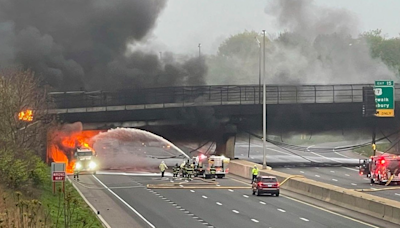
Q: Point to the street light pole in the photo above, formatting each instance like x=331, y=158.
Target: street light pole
x=259, y=70
x=199, y=50
x=264, y=109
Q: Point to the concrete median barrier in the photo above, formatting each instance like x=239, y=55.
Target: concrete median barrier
x=371, y=205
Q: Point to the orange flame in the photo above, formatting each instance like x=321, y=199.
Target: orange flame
x=62, y=149
x=26, y=115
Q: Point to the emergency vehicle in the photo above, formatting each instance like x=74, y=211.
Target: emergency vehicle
x=199, y=164
x=221, y=165
x=85, y=160
x=381, y=168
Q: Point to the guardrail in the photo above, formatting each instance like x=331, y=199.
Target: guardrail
x=213, y=95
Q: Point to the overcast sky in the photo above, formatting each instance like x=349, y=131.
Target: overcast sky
x=185, y=23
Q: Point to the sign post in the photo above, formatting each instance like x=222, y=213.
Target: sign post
x=58, y=174
x=384, y=98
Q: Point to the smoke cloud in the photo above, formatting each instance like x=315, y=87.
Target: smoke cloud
x=83, y=44
x=319, y=47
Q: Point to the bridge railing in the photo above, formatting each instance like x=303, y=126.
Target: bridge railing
x=212, y=95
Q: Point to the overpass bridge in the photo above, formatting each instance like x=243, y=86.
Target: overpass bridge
x=303, y=108
x=176, y=105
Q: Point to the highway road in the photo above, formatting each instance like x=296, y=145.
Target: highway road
x=125, y=197
x=345, y=177
x=278, y=156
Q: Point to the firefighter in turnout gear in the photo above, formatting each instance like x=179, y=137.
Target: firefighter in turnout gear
x=176, y=170
x=190, y=170
x=213, y=171
x=183, y=171
x=76, y=174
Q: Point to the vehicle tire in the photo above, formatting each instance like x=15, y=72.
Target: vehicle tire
x=277, y=194
x=372, y=181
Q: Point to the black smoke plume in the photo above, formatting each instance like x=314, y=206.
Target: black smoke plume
x=83, y=44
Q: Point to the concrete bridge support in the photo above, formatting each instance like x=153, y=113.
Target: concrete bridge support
x=226, y=144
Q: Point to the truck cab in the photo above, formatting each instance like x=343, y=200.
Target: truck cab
x=85, y=160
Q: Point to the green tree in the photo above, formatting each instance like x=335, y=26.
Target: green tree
x=388, y=50
x=237, y=60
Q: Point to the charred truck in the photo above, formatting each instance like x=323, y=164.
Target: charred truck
x=381, y=168
x=85, y=161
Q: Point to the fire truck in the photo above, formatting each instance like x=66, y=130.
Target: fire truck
x=381, y=168
x=220, y=163
x=85, y=160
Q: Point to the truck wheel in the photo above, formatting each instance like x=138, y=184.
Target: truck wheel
x=277, y=194
x=372, y=181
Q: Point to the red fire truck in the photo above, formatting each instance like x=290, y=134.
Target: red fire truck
x=381, y=168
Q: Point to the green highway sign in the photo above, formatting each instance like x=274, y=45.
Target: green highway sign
x=384, y=98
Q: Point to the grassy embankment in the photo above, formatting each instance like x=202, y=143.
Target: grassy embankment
x=41, y=208
x=367, y=150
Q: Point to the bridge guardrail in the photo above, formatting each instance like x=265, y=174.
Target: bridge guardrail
x=216, y=95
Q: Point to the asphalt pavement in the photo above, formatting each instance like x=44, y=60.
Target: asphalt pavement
x=309, y=155
x=226, y=205
x=345, y=177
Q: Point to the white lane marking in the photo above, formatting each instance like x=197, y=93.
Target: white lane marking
x=341, y=155
x=350, y=169
x=317, y=175
x=331, y=212
x=308, y=148
x=192, y=190
x=195, y=217
x=332, y=171
x=281, y=210
x=263, y=202
x=279, y=151
x=353, y=184
x=254, y=220
x=182, y=209
x=235, y=211
x=205, y=197
x=334, y=180
x=245, y=196
x=397, y=194
x=181, y=186
x=324, y=157
x=317, y=167
x=301, y=171
x=230, y=190
x=304, y=219
x=88, y=203
x=218, y=203
x=347, y=175
x=123, y=201
x=218, y=185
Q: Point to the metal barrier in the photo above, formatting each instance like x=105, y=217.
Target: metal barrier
x=212, y=95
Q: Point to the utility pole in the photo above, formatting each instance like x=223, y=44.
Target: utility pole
x=259, y=70
x=264, y=110
x=199, y=50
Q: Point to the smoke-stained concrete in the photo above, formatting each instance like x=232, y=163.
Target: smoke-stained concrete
x=83, y=44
